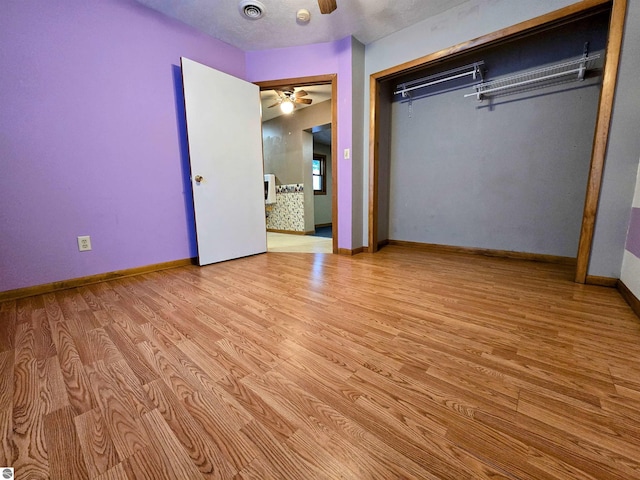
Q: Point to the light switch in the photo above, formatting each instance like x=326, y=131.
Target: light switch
x=347, y=154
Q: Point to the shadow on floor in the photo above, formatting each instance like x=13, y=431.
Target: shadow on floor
x=323, y=232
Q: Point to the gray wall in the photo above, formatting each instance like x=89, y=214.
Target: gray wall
x=384, y=159
x=470, y=20
x=322, y=203
x=307, y=159
x=358, y=154
x=507, y=174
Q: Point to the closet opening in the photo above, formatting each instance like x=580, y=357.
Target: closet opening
x=497, y=145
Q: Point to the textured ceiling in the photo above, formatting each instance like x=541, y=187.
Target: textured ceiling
x=366, y=20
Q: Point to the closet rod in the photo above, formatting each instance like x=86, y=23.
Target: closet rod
x=441, y=77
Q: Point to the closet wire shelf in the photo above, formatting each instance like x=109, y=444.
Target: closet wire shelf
x=576, y=67
x=473, y=70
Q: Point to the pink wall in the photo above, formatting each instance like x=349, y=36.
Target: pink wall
x=311, y=60
x=92, y=137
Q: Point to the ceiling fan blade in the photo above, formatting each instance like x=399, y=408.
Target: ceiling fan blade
x=306, y=101
x=327, y=6
x=274, y=105
x=281, y=94
x=300, y=93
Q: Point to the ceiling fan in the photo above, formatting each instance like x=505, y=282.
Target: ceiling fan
x=327, y=6
x=289, y=97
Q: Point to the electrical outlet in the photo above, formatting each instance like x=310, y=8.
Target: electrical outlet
x=84, y=243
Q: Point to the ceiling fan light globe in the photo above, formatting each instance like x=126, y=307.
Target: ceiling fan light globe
x=286, y=106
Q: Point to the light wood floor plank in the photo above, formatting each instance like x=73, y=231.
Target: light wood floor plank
x=97, y=447
x=66, y=460
x=122, y=417
x=170, y=452
x=225, y=434
x=75, y=378
x=54, y=391
x=278, y=425
x=30, y=456
x=193, y=438
x=118, y=472
x=8, y=321
x=6, y=407
x=308, y=412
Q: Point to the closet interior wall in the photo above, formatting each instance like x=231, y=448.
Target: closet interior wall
x=508, y=173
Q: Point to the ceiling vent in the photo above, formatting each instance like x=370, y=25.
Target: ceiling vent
x=252, y=9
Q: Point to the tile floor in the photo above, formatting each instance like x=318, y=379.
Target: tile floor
x=282, y=242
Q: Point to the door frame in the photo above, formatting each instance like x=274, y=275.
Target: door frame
x=565, y=15
x=331, y=79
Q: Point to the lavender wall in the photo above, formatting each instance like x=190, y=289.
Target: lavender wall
x=311, y=60
x=633, y=237
x=630, y=273
x=91, y=137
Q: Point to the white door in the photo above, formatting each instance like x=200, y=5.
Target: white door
x=225, y=151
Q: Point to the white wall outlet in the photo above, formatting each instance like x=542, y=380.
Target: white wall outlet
x=84, y=243
x=347, y=153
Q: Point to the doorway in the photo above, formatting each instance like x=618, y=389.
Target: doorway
x=299, y=151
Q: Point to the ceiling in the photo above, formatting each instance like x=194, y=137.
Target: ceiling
x=366, y=20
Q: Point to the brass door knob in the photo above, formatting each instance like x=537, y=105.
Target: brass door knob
x=198, y=178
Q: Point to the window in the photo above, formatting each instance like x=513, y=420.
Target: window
x=319, y=176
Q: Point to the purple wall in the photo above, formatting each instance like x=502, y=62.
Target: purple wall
x=92, y=139
x=633, y=237
x=318, y=59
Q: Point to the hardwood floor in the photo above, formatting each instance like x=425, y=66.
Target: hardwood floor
x=399, y=364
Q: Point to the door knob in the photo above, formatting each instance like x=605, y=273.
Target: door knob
x=198, y=178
